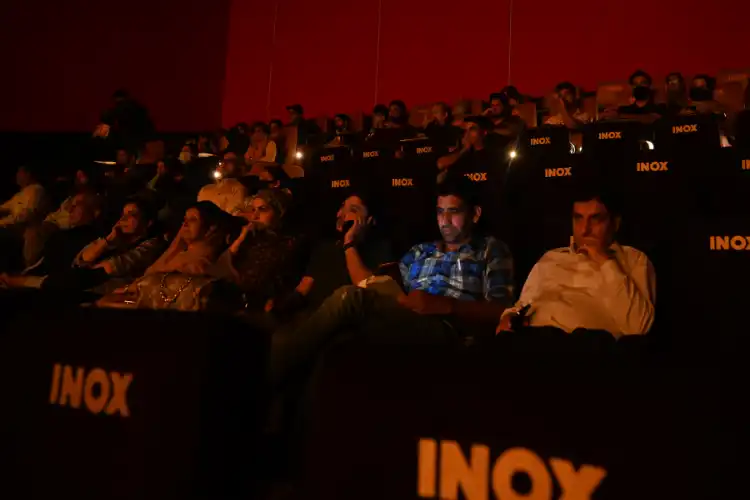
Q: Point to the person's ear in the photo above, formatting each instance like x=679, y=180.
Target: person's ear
x=477, y=214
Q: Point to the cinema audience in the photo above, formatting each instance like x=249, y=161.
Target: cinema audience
x=505, y=123
x=643, y=106
x=227, y=193
x=37, y=233
x=130, y=247
x=307, y=130
x=594, y=284
x=276, y=134
x=263, y=262
x=567, y=107
x=356, y=252
x=676, y=94
x=702, y=96
x=25, y=209
x=439, y=126
x=449, y=286
x=126, y=122
x=61, y=248
x=473, y=154
x=262, y=147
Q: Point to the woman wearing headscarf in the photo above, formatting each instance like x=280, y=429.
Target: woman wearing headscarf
x=262, y=262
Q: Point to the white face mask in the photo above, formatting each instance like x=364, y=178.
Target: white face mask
x=185, y=157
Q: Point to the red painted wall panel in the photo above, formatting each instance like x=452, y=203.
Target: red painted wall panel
x=61, y=61
x=592, y=41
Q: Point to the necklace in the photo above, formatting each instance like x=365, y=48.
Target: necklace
x=163, y=287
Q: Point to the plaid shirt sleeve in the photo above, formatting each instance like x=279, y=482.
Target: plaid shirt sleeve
x=405, y=266
x=498, y=278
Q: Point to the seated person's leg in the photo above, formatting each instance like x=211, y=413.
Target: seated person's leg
x=349, y=309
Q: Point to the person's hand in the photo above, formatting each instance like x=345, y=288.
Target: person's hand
x=107, y=266
x=114, y=235
x=595, y=252
x=355, y=231
x=608, y=114
x=504, y=325
x=424, y=303
x=161, y=169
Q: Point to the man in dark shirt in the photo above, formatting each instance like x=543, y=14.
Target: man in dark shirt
x=481, y=161
x=440, y=127
x=643, y=107
x=442, y=288
x=306, y=129
x=348, y=260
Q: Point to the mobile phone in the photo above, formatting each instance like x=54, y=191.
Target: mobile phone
x=516, y=322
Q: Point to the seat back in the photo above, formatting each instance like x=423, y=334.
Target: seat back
x=130, y=404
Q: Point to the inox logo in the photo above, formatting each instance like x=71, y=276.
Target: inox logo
x=477, y=476
x=558, y=172
x=684, y=129
x=402, y=182
x=425, y=150
x=540, y=141
x=745, y=164
x=610, y=135
x=98, y=390
x=729, y=242
x=477, y=176
x=654, y=166
x=326, y=158
x=370, y=154
x=343, y=183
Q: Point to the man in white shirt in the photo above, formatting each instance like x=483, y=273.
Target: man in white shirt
x=594, y=284
x=26, y=205
x=227, y=193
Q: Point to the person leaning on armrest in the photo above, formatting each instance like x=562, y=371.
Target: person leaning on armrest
x=595, y=284
x=351, y=258
x=448, y=286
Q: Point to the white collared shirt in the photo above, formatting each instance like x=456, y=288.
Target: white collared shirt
x=568, y=290
x=23, y=206
x=227, y=194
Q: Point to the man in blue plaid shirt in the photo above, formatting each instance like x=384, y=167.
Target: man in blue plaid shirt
x=450, y=287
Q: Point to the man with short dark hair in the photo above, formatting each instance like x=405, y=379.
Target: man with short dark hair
x=567, y=105
x=441, y=290
x=643, y=106
x=306, y=129
x=439, y=126
x=595, y=283
x=353, y=256
x=227, y=193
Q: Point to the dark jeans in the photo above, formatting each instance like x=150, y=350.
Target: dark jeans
x=351, y=310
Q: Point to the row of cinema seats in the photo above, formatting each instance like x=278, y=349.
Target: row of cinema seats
x=142, y=405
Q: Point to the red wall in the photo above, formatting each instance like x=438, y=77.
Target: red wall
x=325, y=51
x=61, y=61
x=197, y=64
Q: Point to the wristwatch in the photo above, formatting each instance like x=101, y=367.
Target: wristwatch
x=349, y=245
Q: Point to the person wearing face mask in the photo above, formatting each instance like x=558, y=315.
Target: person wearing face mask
x=702, y=99
x=643, y=107
x=569, y=112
